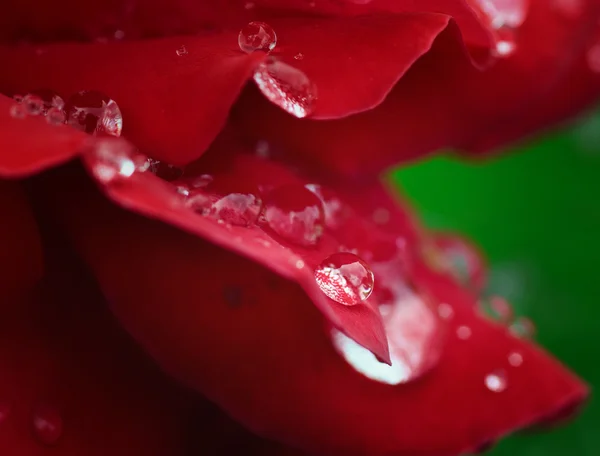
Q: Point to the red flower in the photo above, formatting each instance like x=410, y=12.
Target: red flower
x=322, y=317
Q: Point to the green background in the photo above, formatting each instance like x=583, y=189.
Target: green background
x=536, y=213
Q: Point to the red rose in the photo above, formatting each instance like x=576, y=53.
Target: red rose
x=311, y=308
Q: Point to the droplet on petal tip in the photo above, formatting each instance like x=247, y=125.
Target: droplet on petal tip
x=345, y=278
x=257, y=36
x=296, y=214
x=287, y=87
x=94, y=113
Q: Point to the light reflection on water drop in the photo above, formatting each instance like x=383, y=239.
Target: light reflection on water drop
x=287, y=87
x=496, y=381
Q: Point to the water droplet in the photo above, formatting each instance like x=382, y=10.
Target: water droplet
x=345, y=278
x=119, y=35
x=445, y=311
x=17, y=111
x=593, y=58
x=381, y=216
x=241, y=209
x=34, y=105
x=463, y=332
x=5, y=410
x=300, y=264
x=249, y=5
x=505, y=48
x=496, y=381
x=55, y=116
x=296, y=214
x=335, y=211
x=181, y=51
x=299, y=56
x=164, y=170
x=497, y=308
x=50, y=99
x=515, y=359
x=95, y=113
x=47, y=424
x=257, y=36
x=287, y=87
x=18, y=98
x=114, y=160
x=523, y=328
x=262, y=149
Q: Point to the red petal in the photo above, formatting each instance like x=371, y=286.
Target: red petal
x=21, y=254
x=442, y=101
x=173, y=106
x=30, y=145
x=267, y=358
x=65, y=360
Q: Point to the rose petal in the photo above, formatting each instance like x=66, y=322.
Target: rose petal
x=296, y=388
x=21, y=254
x=443, y=102
x=29, y=145
x=173, y=106
x=64, y=356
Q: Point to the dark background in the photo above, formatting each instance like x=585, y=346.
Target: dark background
x=536, y=212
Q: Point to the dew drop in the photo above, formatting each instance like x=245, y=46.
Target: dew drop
x=515, y=359
x=115, y=160
x=445, y=311
x=381, y=216
x=296, y=214
x=165, y=171
x=287, y=87
x=95, y=113
x=18, y=98
x=505, y=48
x=463, y=332
x=496, y=381
x=181, y=51
x=33, y=104
x=55, y=116
x=497, y=308
x=523, y=328
x=299, y=56
x=257, y=36
x=345, y=278
x=249, y=5
x=47, y=424
x=335, y=211
x=17, y=111
x=119, y=35
x=49, y=98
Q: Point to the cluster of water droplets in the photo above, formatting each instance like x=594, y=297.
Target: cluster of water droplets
x=283, y=84
x=90, y=111
x=505, y=17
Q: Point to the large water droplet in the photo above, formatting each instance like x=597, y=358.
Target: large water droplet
x=296, y=214
x=496, y=381
x=257, y=36
x=47, y=424
x=345, y=278
x=114, y=160
x=523, y=328
x=287, y=87
x=497, y=308
x=95, y=113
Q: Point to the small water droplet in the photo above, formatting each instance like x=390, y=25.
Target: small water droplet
x=119, y=35
x=114, y=160
x=345, y=278
x=257, y=36
x=47, y=424
x=95, y=113
x=296, y=214
x=299, y=56
x=381, y=216
x=505, y=48
x=262, y=149
x=17, y=111
x=299, y=264
x=497, y=308
x=463, y=332
x=445, y=311
x=287, y=87
x=335, y=211
x=241, y=209
x=249, y=5
x=523, y=328
x=515, y=359
x=55, y=116
x=34, y=105
x=496, y=381
x=181, y=51
x=50, y=99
